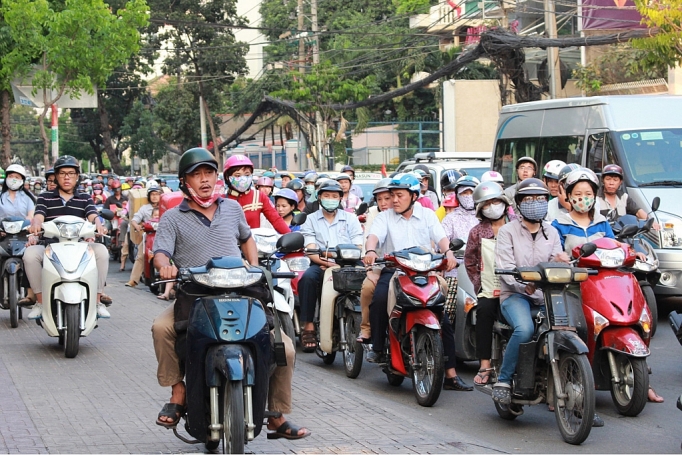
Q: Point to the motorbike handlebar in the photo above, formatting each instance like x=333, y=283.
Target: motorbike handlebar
x=592, y=272
x=505, y=272
x=284, y=275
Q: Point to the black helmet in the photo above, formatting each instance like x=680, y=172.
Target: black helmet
x=67, y=161
x=194, y=158
x=612, y=169
x=330, y=185
x=49, y=172
x=530, y=187
x=449, y=179
x=296, y=184
x=348, y=168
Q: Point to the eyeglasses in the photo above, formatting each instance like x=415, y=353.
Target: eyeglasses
x=70, y=175
x=50, y=181
x=539, y=198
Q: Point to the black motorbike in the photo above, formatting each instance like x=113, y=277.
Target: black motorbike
x=227, y=351
x=12, y=247
x=553, y=367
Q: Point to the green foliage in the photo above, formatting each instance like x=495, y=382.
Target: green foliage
x=24, y=127
x=178, y=116
x=665, y=47
x=412, y=6
x=139, y=132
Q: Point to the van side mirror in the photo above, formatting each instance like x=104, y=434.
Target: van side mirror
x=299, y=219
x=456, y=244
x=587, y=249
x=291, y=242
x=655, y=203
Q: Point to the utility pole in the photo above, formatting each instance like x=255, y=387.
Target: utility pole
x=553, y=65
x=320, y=126
x=301, y=43
x=315, y=29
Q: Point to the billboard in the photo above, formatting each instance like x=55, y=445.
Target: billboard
x=610, y=15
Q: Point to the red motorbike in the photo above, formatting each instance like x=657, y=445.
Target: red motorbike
x=618, y=325
x=415, y=346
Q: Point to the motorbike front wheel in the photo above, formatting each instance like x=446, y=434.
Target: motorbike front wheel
x=429, y=368
x=630, y=394
x=575, y=416
x=650, y=298
x=14, y=309
x=233, y=417
x=73, y=331
x=352, y=354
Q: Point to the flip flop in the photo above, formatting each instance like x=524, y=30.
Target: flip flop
x=294, y=431
x=485, y=378
x=162, y=297
x=657, y=398
x=308, y=340
x=171, y=410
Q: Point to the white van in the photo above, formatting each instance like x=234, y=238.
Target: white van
x=642, y=134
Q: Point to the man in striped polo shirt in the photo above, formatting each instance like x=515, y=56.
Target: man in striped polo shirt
x=64, y=200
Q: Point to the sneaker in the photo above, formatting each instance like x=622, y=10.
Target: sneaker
x=102, y=312
x=375, y=357
x=502, y=393
x=36, y=312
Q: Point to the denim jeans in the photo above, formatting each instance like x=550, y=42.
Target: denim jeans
x=516, y=310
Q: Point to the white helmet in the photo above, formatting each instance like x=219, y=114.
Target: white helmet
x=579, y=175
x=552, y=169
x=492, y=176
x=18, y=168
x=152, y=184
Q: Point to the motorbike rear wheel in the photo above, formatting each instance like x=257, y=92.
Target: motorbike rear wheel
x=234, y=425
x=153, y=288
x=650, y=298
x=506, y=413
x=427, y=380
x=328, y=359
x=394, y=379
x=352, y=354
x=575, y=417
x=13, y=299
x=72, y=332
x=630, y=394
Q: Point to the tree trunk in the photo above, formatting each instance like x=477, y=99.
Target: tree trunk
x=43, y=135
x=98, y=155
x=6, y=155
x=106, y=136
x=214, y=138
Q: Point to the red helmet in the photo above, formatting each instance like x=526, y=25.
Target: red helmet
x=115, y=184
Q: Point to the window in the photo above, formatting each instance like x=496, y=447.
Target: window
x=597, y=144
x=568, y=149
x=508, y=151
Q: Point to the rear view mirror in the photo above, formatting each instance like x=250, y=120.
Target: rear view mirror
x=629, y=230
x=649, y=224
x=289, y=243
x=587, y=249
x=299, y=219
x=362, y=208
x=107, y=214
x=655, y=203
x=456, y=244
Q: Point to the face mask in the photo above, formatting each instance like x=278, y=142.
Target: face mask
x=204, y=202
x=14, y=184
x=467, y=202
x=241, y=184
x=330, y=204
x=494, y=211
x=310, y=188
x=582, y=204
x=534, y=211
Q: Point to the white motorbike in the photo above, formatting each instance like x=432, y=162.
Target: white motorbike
x=69, y=281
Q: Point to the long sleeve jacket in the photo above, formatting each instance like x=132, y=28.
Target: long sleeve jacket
x=254, y=202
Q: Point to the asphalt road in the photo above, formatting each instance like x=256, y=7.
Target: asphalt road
x=106, y=401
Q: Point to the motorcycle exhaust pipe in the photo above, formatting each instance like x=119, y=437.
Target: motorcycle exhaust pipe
x=342, y=333
x=215, y=425
x=248, y=402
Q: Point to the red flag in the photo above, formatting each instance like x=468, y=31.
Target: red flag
x=453, y=4
x=383, y=170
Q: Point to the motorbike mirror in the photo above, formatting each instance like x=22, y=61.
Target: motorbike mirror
x=362, y=208
x=107, y=214
x=587, y=249
x=299, y=219
x=289, y=243
x=456, y=244
x=649, y=224
x=629, y=230
x=655, y=203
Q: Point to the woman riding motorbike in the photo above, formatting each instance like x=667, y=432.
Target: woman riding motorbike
x=286, y=202
x=14, y=199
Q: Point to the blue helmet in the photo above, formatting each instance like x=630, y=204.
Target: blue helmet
x=288, y=194
x=408, y=182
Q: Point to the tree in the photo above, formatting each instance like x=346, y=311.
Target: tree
x=24, y=131
x=79, y=44
x=178, y=116
x=140, y=136
x=665, y=46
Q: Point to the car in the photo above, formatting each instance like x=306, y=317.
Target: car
x=471, y=163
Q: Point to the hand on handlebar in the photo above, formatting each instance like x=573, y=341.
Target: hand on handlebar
x=530, y=288
x=370, y=257
x=452, y=261
x=35, y=228
x=168, y=272
x=562, y=257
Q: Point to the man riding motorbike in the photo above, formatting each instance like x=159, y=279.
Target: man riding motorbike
x=203, y=226
x=143, y=214
x=52, y=204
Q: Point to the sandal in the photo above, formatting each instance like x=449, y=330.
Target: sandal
x=162, y=297
x=27, y=301
x=502, y=393
x=294, y=432
x=308, y=340
x=484, y=375
x=656, y=398
x=171, y=410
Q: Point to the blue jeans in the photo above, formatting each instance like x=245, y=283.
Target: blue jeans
x=516, y=310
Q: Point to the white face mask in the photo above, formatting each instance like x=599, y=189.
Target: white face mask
x=494, y=211
x=14, y=183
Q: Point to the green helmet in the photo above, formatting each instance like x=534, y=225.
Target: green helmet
x=194, y=158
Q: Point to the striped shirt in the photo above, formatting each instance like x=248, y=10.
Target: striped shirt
x=191, y=239
x=51, y=205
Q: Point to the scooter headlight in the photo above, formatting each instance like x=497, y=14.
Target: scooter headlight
x=559, y=275
x=611, y=258
x=227, y=278
x=12, y=227
x=267, y=245
x=600, y=323
x=645, y=321
x=298, y=264
x=419, y=262
x=349, y=253
x=70, y=231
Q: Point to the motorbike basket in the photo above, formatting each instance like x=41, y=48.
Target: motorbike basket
x=348, y=279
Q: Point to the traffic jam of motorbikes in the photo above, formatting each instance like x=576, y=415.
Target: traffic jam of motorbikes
x=543, y=274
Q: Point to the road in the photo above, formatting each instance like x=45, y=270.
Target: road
x=106, y=401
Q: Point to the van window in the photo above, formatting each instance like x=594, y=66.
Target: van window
x=650, y=157
x=599, y=152
x=542, y=149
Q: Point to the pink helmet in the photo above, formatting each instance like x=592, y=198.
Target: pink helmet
x=236, y=161
x=450, y=201
x=265, y=181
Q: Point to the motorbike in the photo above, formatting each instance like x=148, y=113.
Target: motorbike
x=298, y=262
x=553, y=367
x=415, y=347
x=149, y=274
x=229, y=356
x=339, y=316
x=646, y=271
x=70, y=281
x=114, y=244
x=618, y=321
x=12, y=249
x=464, y=321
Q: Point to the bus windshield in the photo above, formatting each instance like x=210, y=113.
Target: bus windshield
x=652, y=157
